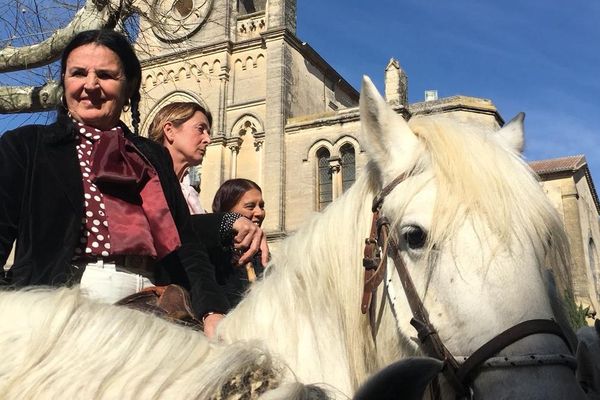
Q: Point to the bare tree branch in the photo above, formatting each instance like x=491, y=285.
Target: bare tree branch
x=23, y=64
x=95, y=14
x=25, y=99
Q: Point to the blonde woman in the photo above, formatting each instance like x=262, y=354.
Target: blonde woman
x=184, y=128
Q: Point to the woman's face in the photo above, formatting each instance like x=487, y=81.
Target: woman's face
x=252, y=206
x=95, y=86
x=187, y=142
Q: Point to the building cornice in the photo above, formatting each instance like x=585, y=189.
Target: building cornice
x=457, y=103
x=208, y=50
x=246, y=104
x=329, y=118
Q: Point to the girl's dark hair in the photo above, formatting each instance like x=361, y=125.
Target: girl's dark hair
x=230, y=192
x=119, y=45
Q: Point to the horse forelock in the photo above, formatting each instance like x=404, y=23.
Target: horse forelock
x=479, y=179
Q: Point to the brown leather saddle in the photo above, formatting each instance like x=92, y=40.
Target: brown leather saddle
x=170, y=302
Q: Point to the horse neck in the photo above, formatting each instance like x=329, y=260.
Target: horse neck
x=307, y=308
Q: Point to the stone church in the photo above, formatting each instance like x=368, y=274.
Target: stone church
x=286, y=119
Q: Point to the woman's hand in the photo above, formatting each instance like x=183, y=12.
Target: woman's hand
x=249, y=240
x=210, y=324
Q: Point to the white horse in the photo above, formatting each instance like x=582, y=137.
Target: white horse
x=474, y=229
x=60, y=344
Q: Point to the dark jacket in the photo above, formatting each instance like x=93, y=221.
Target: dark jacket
x=41, y=207
x=234, y=279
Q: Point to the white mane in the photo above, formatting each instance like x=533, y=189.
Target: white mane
x=491, y=184
x=304, y=309
x=72, y=346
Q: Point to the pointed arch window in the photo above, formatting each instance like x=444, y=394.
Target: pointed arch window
x=324, y=182
x=348, y=163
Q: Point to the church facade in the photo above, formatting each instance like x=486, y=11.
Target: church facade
x=283, y=116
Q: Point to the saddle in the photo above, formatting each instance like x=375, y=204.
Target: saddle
x=171, y=302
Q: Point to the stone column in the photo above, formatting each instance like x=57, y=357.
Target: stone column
x=279, y=62
x=234, y=145
x=335, y=167
x=259, y=141
x=222, y=112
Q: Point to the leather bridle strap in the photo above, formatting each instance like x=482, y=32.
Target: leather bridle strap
x=378, y=200
x=506, y=338
x=429, y=339
x=375, y=265
x=372, y=262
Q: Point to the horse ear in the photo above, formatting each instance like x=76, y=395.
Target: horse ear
x=387, y=137
x=512, y=134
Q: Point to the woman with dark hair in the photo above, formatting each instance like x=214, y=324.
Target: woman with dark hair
x=242, y=197
x=88, y=202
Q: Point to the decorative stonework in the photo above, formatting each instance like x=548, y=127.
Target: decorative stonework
x=250, y=26
x=178, y=19
x=335, y=165
x=247, y=126
x=249, y=61
x=160, y=76
x=234, y=144
x=259, y=140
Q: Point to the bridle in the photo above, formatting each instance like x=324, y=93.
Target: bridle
x=460, y=375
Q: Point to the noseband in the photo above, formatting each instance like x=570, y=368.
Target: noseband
x=378, y=246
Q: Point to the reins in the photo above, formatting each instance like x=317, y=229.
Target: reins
x=378, y=246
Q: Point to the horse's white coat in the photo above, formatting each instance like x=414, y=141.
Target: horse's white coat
x=488, y=223
x=489, y=229
x=59, y=344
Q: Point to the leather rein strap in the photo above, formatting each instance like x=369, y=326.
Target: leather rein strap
x=378, y=246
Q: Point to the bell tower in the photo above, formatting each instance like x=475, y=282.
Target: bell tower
x=233, y=57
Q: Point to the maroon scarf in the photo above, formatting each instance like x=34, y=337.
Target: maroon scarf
x=139, y=219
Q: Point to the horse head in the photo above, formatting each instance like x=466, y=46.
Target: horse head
x=475, y=232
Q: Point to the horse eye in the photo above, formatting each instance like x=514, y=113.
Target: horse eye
x=415, y=237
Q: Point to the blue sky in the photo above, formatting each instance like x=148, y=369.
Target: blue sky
x=540, y=57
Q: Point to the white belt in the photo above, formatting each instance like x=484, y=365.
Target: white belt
x=102, y=282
